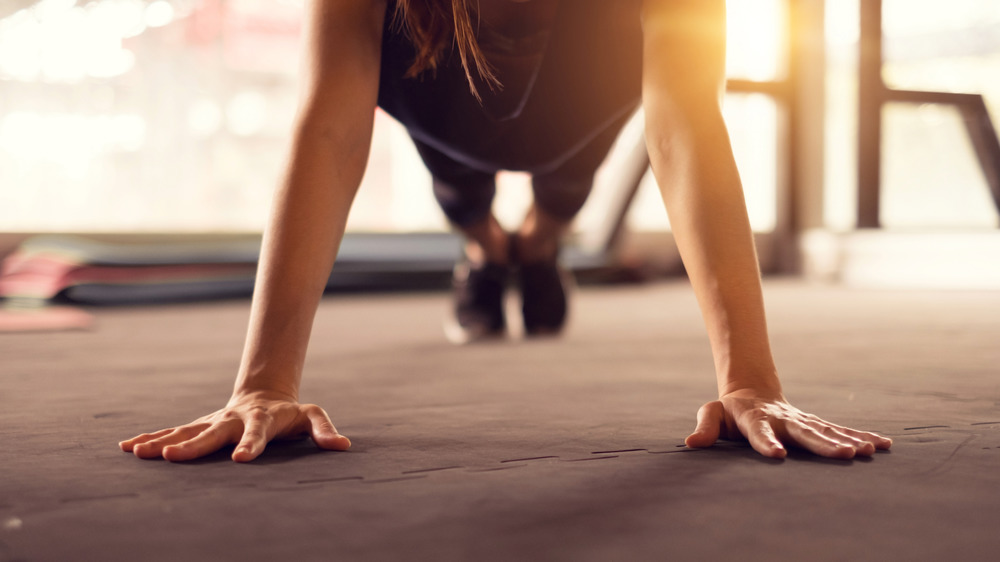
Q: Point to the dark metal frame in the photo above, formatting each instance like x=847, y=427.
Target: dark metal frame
x=873, y=94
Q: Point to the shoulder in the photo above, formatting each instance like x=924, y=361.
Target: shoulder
x=341, y=31
x=347, y=16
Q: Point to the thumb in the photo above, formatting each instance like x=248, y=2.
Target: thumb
x=710, y=419
x=323, y=433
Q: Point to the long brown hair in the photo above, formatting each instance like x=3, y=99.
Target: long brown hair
x=431, y=25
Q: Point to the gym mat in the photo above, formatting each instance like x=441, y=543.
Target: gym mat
x=556, y=449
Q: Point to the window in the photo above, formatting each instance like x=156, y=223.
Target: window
x=173, y=116
x=930, y=176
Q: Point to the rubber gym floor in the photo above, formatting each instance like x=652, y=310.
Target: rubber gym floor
x=558, y=449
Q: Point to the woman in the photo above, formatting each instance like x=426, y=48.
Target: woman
x=535, y=85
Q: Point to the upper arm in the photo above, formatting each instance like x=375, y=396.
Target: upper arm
x=684, y=52
x=683, y=78
x=343, y=53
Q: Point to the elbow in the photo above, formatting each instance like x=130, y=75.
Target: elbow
x=662, y=144
x=671, y=131
x=677, y=126
x=687, y=144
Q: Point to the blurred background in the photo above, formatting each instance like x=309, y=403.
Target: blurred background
x=172, y=117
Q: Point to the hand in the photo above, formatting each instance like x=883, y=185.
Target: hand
x=771, y=423
x=251, y=419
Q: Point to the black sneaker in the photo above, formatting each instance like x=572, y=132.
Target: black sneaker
x=544, y=303
x=479, y=303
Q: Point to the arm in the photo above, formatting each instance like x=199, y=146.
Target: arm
x=309, y=215
x=683, y=82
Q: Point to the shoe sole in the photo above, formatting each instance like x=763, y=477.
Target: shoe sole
x=456, y=334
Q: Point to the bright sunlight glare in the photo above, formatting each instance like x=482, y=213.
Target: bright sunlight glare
x=755, y=35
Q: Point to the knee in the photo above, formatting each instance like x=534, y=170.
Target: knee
x=465, y=203
x=562, y=197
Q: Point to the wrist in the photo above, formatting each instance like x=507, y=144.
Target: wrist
x=242, y=394
x=760, y=379
x=265, y=383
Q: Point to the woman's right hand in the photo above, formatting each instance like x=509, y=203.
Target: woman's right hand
x=251, y=420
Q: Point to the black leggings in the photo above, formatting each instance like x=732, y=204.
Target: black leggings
x=466, y=194
x=567, y=115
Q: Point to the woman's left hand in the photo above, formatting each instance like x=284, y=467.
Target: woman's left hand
x=771, y=424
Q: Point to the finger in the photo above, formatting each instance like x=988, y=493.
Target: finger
x=843, y=435
x=322, y=430
x=812, y=440
x=761, y=436
x=873, y=440
x=206, y=442
x=711, y=416
x=881, y=442
x=878, y=441
x=259, y=430
x=153, y=448
x=145, y=437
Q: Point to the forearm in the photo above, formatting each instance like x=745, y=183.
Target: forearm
x=309, y=213
x=694, y=166
x=307, y=224
x=689, y=148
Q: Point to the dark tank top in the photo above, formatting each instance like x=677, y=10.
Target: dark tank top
x=564, y=82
